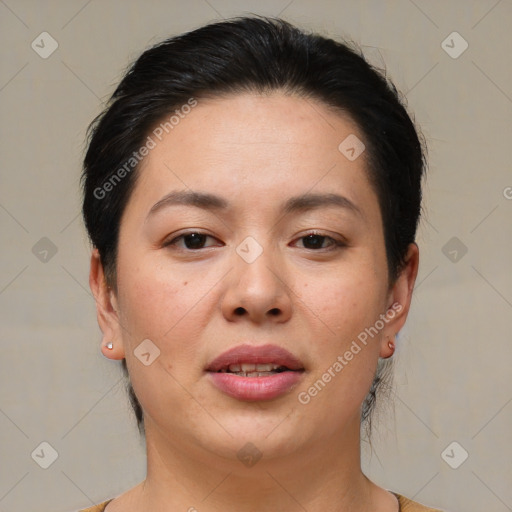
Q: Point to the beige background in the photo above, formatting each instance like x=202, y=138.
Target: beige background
x=453, y=380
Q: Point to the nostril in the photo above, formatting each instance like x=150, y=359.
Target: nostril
x=274, y=311
x=239, y=311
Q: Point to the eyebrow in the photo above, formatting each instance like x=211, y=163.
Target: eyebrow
x=213, y=202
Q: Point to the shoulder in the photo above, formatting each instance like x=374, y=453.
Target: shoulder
x=97, y=508
x=407, y=505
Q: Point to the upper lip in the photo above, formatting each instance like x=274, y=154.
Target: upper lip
x=260, y=354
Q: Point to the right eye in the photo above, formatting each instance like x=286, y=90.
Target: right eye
x=192, y=240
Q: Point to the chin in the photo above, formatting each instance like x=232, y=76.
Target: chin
x=275, y=432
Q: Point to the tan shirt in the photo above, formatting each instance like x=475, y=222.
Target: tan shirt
x=405, y=505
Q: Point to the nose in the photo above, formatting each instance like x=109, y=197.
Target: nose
x=258, y=291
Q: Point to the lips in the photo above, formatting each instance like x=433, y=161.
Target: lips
x=255, y=355
x=255, y=373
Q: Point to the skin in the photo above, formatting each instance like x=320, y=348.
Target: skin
x=256, y=151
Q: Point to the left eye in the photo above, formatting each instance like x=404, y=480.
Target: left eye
x=316, y=241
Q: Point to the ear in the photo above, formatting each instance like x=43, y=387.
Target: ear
x=399, y=299
x=106, y=309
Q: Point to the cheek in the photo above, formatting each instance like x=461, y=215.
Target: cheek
x=168, y=310
x=344, y=304
x=159, y=304
x=343, y=366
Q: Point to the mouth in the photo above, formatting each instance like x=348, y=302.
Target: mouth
x=255, y=370
x=255, y=373
x=252, y=359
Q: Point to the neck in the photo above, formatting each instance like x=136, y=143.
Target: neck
x=326, y=476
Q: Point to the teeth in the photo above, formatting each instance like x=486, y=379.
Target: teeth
x=254, y=374
x=266, y=367
x=250, y=367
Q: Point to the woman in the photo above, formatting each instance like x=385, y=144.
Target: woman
x=252, y=194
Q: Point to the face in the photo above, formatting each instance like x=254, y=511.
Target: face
x=286, y=253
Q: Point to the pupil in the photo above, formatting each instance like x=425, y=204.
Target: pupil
x=194, y=240
x=312, y=238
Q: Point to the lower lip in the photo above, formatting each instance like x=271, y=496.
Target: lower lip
x=252, y=389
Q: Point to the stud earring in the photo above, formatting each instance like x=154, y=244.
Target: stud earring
x=391, y=345
x=110, y=345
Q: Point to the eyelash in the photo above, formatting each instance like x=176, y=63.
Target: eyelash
x=334, y=244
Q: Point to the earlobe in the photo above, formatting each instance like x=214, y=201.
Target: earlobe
x=106, y=312
x=112, y=351
x=388, y=349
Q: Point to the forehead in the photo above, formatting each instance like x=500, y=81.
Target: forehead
x=249, y=119
x=256, y=148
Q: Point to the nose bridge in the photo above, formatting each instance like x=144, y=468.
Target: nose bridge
x=257, y=264
x=256, y=288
